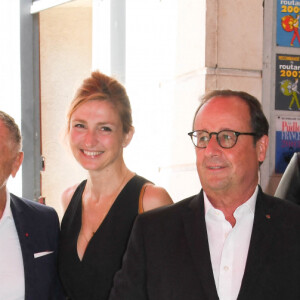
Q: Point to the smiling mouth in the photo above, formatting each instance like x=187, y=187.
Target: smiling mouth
x=215, y=167
x=91, y=153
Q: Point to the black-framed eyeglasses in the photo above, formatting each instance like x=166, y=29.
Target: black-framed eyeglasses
x=225, y=138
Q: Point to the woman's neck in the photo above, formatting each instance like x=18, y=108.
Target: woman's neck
x=106, y=183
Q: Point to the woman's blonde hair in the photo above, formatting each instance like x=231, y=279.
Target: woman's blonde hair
x=103, y=88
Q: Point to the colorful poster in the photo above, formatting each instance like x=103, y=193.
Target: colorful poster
x=287, y=141
x=287, y=95
x=288, y=14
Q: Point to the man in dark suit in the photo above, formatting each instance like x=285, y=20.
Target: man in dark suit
x=231, y=241
x=28, y=231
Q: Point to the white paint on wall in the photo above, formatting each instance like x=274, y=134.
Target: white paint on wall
x=10, y=101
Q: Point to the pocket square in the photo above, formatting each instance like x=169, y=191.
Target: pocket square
x=39, y=254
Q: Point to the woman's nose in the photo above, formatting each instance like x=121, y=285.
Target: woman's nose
x=90, y=139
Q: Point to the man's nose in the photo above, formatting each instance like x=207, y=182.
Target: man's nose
x=213, y=144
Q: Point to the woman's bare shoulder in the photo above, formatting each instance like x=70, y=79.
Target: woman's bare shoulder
x=155, y=196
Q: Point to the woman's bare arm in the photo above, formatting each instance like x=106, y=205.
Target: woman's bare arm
x=154, y=197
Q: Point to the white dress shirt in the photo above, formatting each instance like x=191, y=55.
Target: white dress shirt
x=12, y=282
x=229, y=245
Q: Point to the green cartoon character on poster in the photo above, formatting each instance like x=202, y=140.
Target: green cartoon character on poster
x=295, y=96
x=287, y=93
x=288, y=88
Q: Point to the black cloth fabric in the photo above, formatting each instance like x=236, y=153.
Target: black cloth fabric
x=168, y=254
x=38, y=231
x=92, y=277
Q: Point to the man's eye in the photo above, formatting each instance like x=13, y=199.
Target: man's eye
x=226, y=137
x=203, y=138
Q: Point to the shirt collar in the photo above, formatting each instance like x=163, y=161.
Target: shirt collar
x=7, y=213
x=250, y=203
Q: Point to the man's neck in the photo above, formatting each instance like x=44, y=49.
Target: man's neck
x=228, y=203
x=2, y=200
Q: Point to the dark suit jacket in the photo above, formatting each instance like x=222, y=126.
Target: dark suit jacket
x=38, y=229
x=168, y=254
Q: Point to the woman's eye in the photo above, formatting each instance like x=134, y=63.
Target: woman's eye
x=79, y=125
x=105, y=128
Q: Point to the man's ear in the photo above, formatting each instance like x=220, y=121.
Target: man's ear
x=127, y=137
x=17, y=163
x=262, y=147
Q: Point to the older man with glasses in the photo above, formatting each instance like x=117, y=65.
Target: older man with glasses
x=231, y=241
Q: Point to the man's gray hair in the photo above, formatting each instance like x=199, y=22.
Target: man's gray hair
x=10, y=124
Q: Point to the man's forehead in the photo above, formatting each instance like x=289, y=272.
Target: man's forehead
x=228, y=104
x=5, y=136
x=226, y=112
x=4, y=131
x=3, y=128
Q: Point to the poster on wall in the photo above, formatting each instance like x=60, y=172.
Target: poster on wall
x=287, y=94
x=287, y=141
x=288, y=14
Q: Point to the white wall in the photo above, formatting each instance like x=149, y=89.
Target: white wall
x=10, y=101
x=163, y=53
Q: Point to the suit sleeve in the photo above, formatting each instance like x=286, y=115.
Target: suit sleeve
x=130, y=281
x=57, y=292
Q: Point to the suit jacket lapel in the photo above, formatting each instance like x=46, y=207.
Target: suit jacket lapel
x=195, y=230
x=263, y=233
x=24, y=229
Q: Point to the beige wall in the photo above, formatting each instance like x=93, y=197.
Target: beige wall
x=219, y=46
x=236, y=61
x=65, y=49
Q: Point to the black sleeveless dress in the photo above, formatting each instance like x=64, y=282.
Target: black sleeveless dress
x=92, y=277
